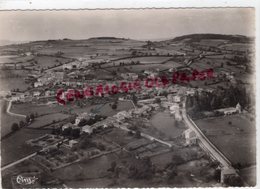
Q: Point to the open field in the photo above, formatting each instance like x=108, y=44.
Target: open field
x=93, y=172
x=105, y=109
x=47, y=119
x=249, y=175
x=28, y=108
x=8, y=84
x=6, y=119
x=120, y=137
x=165, y=123
x=49, y=61
x=14, y=147
x=237, y=141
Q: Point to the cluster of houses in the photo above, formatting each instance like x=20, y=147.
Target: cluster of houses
x=49, y=77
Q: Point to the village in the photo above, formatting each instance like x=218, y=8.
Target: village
x=128, y=133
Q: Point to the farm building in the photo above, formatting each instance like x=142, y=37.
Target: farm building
x=190, y=137
x=229, y=111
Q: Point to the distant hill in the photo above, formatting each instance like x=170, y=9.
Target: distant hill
x=199, y=37
x=107, y=38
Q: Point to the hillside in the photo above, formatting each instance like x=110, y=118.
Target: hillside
x=199, y=37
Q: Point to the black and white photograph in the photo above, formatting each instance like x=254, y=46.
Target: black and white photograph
x=124, y=98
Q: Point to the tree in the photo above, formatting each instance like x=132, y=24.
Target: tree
x=66, y=131
x=75, y=133
x=171, y=174
x=27, y=119
x=138, y=134
x=14, y=127
x=21, y=124
x=112, y=166
x=114, y=106
x=32, y=116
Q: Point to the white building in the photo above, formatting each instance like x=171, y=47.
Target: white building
x=190, y=137
x=87, y=129
x=36, y=93
x=82, y=116
x=227, y=172
x=231, y=110
x=73, y=143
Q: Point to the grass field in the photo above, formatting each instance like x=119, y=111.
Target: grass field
x=165, y=123
x=92, y=173
x=48, y=61
x=8, y=84
x=28, y=108
x=14, y=147
x=47, y=119
x=6, y=119
x=105, y=109
x=236, y=140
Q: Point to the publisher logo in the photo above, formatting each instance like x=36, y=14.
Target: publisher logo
x=25, y=180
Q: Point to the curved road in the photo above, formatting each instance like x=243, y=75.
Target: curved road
x=11, y=113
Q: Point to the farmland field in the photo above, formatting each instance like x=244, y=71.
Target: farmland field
x=232, y=135
x=14, y=147
x=165, y=123
x=94, y=172
x=28, y=108
x=6, y=119
x=105, y=109
x=8, y=84
x=49, y=61
x=47, y=119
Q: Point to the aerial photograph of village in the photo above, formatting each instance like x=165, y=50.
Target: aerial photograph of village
x=128, y=98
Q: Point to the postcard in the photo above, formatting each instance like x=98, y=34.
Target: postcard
x=123, y=98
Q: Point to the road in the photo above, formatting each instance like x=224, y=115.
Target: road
x=11, y=113
x=18, y=161
x=204, y=140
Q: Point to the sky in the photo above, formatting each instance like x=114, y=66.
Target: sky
x=145, y=24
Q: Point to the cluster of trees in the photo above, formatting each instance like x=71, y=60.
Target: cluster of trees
x=68, y=132
x=86, y=142
x=144, y=170
x=21, y=124
x=221, y=98
x=91, y=121
x=114, y=105
x=240, y=59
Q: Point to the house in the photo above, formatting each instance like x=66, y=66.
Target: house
x=174, y=98
x=190, y=137
x=68, y=125
x=120, y=116
x=166, y=104
x=142, y=111
x=38, y=84
x=71, y=65
x=229, y=111
x=82, y=116
x=36, y=93
x=146, y=101
x=226, y=173
x=155, y=106
x=73, y=143
x=129, y=76
x=87, y=129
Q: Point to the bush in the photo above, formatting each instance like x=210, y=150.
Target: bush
x=15, y=127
